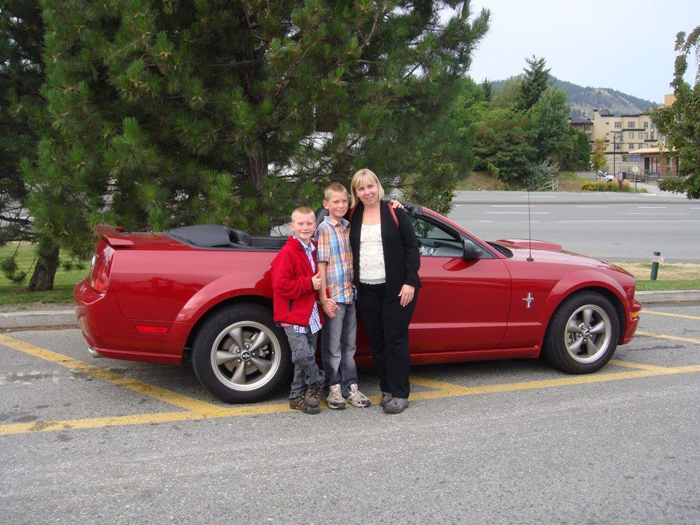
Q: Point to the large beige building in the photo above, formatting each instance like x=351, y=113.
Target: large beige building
x=630, y=140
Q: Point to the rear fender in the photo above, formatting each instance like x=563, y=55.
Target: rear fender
x=220, y=290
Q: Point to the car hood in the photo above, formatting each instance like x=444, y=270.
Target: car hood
x=553, y=253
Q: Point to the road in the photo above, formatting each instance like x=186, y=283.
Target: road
x=627, y=227
x=102, y=441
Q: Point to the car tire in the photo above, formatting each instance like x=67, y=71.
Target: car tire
x=582, y=334
x=240, y=355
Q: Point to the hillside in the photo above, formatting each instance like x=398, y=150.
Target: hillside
x=584, y=100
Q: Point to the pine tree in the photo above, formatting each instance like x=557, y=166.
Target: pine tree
x=549, y=125
x=174, y=113
x=22, y=120
x=534, y=83
x=487, y=88
x=680, y=122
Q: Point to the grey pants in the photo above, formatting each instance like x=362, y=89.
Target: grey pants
x=338, y=349
x=306, y=372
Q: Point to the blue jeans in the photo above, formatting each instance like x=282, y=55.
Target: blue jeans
x=306, y=370
x=338, y=348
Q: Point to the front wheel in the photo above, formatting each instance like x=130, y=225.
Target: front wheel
x=582, y=334
x=240, y=356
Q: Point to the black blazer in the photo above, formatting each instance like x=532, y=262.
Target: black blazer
x=401, y=249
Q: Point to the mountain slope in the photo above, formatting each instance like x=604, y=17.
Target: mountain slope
x=584, y=100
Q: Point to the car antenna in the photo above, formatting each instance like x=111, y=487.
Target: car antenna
x=529, y=229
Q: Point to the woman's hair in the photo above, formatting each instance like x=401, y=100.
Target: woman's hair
x=360, y=178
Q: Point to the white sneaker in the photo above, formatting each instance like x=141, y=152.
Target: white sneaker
x=335, y=400
x=357, y=398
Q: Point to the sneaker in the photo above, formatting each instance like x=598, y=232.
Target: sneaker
x=357, y=398
x=299, y=403
x=396, y=405
x=386, y=397
x=314, y=394
x=335, y=400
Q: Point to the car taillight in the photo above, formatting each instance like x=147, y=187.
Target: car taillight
x=99, y=276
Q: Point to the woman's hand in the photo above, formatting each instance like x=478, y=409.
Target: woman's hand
x=396, y=204
x=406, y=294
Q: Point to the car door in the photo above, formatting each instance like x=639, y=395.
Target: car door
x=463, y=304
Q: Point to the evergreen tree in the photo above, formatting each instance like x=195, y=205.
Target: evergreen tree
x=535, y=82
x=22, y=120
x=487, y=88
x=175, y=113
x=681, y=121
x=549, y=125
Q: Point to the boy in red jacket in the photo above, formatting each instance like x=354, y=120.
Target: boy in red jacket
x=295, y=281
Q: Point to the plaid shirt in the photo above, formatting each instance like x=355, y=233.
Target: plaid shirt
x=333, y=239
x=315, y=319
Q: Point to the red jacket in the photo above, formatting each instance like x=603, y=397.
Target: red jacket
x=293, y=294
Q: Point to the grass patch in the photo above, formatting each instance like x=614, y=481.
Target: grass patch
x=671, y=276
x=569, y=181
x=648, y=286
x=13, y=294
x=482, y=181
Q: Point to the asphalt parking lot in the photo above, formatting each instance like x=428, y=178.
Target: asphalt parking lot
x=95, y=441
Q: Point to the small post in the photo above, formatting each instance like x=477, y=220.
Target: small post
x=655, y=260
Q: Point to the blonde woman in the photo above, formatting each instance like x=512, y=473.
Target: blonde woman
x=386, y=260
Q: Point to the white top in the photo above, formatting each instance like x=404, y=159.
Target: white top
x=371, y=255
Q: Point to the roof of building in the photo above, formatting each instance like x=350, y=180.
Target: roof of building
x=578, y=120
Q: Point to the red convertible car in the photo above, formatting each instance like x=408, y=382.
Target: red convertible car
x=202, y=293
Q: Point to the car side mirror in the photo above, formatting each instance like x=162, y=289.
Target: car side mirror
x=470, y=250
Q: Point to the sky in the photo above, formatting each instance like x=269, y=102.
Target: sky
x=619, y=44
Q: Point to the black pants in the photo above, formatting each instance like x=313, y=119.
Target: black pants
x=386, y=323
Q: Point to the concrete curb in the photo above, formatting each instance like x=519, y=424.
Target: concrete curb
x=43, y=319
x=38, y=319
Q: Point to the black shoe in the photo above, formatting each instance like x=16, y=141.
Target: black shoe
x=299, y=403
x=314, y=394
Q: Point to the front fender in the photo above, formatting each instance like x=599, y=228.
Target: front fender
x=580, y=280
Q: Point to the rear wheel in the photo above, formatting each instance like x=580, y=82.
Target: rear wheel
x=582, y=334
x=240, y=356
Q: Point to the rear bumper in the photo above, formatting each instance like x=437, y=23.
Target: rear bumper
x=110, y=334
x=632, y=322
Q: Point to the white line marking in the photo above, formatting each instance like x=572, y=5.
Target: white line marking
x=591, y=206
x=516, y=213
x=653, y=213
x=509, y=206
x=484, y=221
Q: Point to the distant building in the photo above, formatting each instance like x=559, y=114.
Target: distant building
x=585, y=125
x=631, y=140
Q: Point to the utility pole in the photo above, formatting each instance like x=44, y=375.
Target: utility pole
x=614, y=152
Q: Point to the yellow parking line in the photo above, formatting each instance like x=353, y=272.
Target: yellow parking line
x=667, y=314
x=445, y=390
x=639, y=366
x=671, y=337
x=550, y=383
x=161, y=394
x=196, y=410
x=97, y=422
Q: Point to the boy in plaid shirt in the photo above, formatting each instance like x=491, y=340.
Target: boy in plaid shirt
x=337, y=300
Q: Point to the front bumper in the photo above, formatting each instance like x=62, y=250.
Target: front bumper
x=632, y=322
